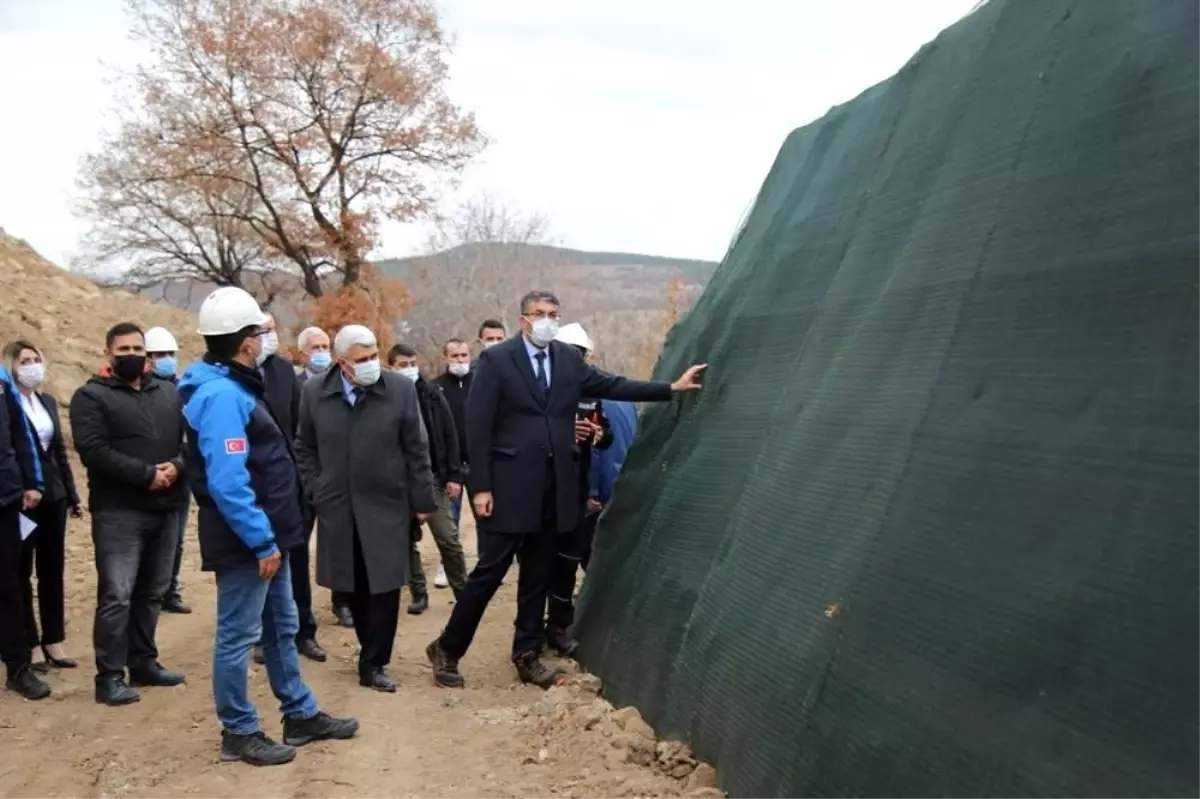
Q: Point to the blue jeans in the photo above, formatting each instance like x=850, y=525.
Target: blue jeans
x=249, y=610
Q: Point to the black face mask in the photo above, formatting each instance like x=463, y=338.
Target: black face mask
x=129, y=367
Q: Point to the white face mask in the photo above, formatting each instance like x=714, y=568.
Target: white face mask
x=367, y=372
x=270, y=346
x=31, y=375
x=411, y=372
x=543, y=331
x=487, y=345
x=459, y=369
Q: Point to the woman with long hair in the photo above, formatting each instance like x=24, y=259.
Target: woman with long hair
x=46, y=546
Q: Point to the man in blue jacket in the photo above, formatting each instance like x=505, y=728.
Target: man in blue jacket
x=244, y=478
x=606, y=465
x=21, y=486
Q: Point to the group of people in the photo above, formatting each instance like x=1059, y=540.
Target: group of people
x=360, y=446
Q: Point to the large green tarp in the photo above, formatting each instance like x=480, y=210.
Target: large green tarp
x=931, y=527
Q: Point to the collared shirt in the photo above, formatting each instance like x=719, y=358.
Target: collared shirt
x=533, y=361
x=349, y=389
x=39, y=417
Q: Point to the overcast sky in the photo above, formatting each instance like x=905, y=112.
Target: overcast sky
x=635, y=125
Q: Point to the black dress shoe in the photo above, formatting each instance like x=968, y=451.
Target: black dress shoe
x=27, y=684
x=343, y=615
x=175, y=604
x=114, y=692
x=377, y=679
x=59, y=663
x=312, y=650
x=154, y=674
x=419, y=604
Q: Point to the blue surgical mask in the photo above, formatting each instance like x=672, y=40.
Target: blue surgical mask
x=367, y=372
x=165, y=367
x=319, y=361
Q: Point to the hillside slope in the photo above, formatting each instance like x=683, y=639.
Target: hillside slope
x=67, y=315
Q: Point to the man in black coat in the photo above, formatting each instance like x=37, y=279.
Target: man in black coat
x=128, y=430
x=524, y=477
x=455, y=383
x=282, y=388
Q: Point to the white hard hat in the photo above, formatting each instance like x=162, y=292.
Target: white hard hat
x=159, y=339
x=228, y=310
x=575, y=335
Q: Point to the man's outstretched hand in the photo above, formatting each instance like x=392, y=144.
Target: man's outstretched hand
x=690, y=380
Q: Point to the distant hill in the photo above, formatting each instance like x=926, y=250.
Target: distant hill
x=689, y=269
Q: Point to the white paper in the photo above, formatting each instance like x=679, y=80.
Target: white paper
x=27, y=526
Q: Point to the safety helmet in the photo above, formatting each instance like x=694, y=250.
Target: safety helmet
x=228, y=310
x=575, y=335
x=159, y=339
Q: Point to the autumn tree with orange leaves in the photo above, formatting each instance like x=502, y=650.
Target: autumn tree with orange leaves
x=275, y=136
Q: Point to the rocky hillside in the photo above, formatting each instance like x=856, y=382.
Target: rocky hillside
x=67, y=316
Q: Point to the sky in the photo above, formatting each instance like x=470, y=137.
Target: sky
x=631, y=125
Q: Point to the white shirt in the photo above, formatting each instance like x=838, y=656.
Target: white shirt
x=40, y=418
x=533, y=361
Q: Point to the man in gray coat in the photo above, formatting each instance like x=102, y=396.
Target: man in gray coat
x=364, y=457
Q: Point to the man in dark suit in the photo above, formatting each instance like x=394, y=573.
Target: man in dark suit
x=524, y=477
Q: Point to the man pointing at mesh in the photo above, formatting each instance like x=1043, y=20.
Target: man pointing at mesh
x=525, y=475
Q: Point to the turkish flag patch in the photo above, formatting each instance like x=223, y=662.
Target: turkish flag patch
x=235, y=446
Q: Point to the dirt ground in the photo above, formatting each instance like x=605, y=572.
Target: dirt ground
x=496, y=738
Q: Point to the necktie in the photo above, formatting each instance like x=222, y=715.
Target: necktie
x=543, y=381
x=357, y=393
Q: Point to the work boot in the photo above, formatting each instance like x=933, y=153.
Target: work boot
x=312, y=650
x=560, y=640
x=445, y=668
x=343, y=615
x=419, y=604
x=532, y=670
x=256, y=749
x=27, y=684
x=153, y=674
x=321, y=727
x=114, y=692
x=175, y=604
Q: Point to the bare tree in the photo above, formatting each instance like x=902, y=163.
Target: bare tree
x=311, y=122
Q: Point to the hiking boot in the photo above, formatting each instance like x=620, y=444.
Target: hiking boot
x=445, y=668
x=114, y=692
x=560, y=640
x=153, y=674
x=27, y=684
x=419, y=604
x=321, y=727
x=532, y=670
x=312, y=650
x=175, y=604
x=256, y=749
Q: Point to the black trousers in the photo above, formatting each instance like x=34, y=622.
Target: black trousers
x=45, y=547
x=302, y=580
x=135, y=552
x=14, y=641
x=573, y=550
x=496, y=553
x=376, y=616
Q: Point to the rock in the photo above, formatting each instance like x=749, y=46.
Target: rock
x=705, y=793
x=630, y=720
x=590, y=715
x=673, y=752
x=704, y=776
x=641, y=729
x=681, y=770
x=543, y=755
x=542, y=708
x=622, y=716
x=588, y=682
x=450, y=700
x=614, y=759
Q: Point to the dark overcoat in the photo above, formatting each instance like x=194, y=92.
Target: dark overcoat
x=366, y=469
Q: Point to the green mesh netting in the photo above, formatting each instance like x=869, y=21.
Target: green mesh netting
x=931, y=528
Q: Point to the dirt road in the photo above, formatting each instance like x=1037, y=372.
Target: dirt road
x=496, y=738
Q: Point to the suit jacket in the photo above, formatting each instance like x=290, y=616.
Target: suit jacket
x=60, y=482
x=520, y=438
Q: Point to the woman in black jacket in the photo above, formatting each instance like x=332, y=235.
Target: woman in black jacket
x=47, y=544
